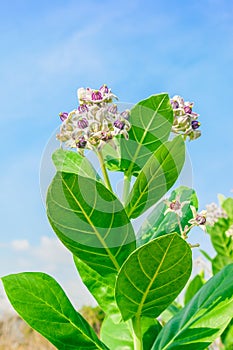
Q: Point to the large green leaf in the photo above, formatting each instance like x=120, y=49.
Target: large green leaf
x=222, y=244
x=156, y=177
x=90, y=221
x=151, y=121
x=73, y=162
x=153, y=276
x=158, y=224
x=119, y=336
x=203, y=319
x=42, y=303
x=102, y=288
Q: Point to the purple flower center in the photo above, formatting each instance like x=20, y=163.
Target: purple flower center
x=63, y=116
x=104, y=89
x=174, y=104
x=96, y=95
x=81, y=143
x=119, y=124
x=201, y=220
x=82, y=123
x=188, y=109
x=83, y=108
x=175, y=205
x=125, y=114
x=195, y=124
x=113, y=109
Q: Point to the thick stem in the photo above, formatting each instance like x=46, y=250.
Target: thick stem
x=104, y=171
x=137, y=334
x=126, y=188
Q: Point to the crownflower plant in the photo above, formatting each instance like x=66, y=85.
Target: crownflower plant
x=134, y=272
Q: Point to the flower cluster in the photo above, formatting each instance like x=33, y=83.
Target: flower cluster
x=214, y=213
x=185, y=120
x=95, y=121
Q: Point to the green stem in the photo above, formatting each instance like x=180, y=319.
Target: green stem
x=126, y=188
x=137, y=334
x=104, y=170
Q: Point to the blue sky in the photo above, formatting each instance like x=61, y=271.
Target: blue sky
x=50, y=48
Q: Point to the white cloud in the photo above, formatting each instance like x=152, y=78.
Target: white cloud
x=20, y=244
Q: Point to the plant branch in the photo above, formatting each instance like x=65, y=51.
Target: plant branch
x=137, y=333
x=104, y=170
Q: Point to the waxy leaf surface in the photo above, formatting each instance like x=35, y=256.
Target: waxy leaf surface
x=203, y=319
x=42, y=303
x=153, y=276
x=156, y=177
x=90, y=221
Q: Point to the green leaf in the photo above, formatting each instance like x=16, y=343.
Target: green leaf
x=222, y=244
x=203, y=319
x=228, y=207
x=153, y=276
x=151, y=121
x=119, y=336
x=42, y=303
x=158, y=224
x=219, y=262
x=156, y=177
x=90, y=221
x=102, y=288
x=73, y=162
x=193, y=287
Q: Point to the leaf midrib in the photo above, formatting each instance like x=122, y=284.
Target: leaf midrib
x=128, y=172
x=142, y=193
x=59, y=313
x=138, y=314
x=112, y=258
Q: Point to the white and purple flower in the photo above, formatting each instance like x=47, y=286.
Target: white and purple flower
x=95, y=122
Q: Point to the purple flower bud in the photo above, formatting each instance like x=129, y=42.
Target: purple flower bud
x=104, y=89
x=63, y=116
x=82, y=123
x=175, y=205
x=201, y=220
x=119, y=124
x=195, y=124
x=82, y=108
x=113, y=109
x=81, y=142
x=174, y=104
x=125, y=114
x=96, y=95
x=188, y=109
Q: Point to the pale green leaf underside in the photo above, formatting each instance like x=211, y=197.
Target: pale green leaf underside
x=153, y=276
x=90, y=221
x=156, y=177
x=119, y=336
x=203, y=319
x=73, y=162
x=42, y=303
x=102, y=288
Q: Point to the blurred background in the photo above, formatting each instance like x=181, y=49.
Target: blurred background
x=138, y=48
